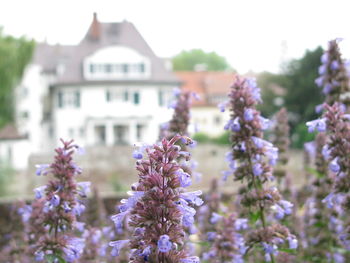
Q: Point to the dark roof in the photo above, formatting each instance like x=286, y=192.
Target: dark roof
x=98, y=36
x=10, y=132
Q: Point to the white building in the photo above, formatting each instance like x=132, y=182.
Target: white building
x=109, y=89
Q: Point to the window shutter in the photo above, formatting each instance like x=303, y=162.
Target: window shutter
x=77, y=99
x=136, y=98
x=60, y=99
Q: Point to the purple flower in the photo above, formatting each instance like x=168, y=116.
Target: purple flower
x=39, y=255
x=164, y=245
x=211, y=236
x=293, y=242
x=66, y=207
x=185, y=178
x=319, y=124
x=265, y=123
x=272, y=154
x=222, y=106
x=334, y=166
x=241, y=224
x=176, y=92
x=319, y=81
x=236, y=126
x=248, y=114
x=257, y=169
x=192, y=197
x=137, y=155
x=326, y=152
x=80, y=226
x=215, y=217
x=118, y=219
x=131, y=201
x=78, y=209
x=25, y=212
x=322, y=69
x=41, y=169
x=117, y=246
x=55, y=200
x=335, y=65
x=83, y=188
x=324, y=58
x=39, y=191
x=190, y=260
x=74, y=248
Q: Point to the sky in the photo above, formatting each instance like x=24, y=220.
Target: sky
x=253, y=35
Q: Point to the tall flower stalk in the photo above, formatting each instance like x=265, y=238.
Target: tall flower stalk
x=336, y=151
x=159, y=208
x=251, y=161
x=334, y=75
x=61, y=207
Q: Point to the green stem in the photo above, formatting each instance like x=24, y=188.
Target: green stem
x=261, y=207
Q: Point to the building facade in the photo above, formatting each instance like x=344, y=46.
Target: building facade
x=110, y=89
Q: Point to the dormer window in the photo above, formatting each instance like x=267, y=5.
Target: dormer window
x=116, y=62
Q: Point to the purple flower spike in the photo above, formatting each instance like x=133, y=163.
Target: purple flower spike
x=164, y=245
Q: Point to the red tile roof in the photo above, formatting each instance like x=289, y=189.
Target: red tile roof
x=212, y=87
x=10, y=132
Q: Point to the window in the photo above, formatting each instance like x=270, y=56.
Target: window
x=120, y=134
x=125, y=68
x=139, y=132
x=136, y=98
x=217, y=120
x=24, y=115
x=100, y=134
x=142, y=67
x=160, y=98
x=68, y=99
x=126, y=95
x=117, y=94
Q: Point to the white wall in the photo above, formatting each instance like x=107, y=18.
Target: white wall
x=209, y=120
x=95, y=109
x=15, y=153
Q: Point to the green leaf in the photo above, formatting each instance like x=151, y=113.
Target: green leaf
x=287, y=250
x=314, y=172
x=254, y=216
x=53, y=258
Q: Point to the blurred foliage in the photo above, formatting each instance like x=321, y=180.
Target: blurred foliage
x=296, y=90
x=222, y=139
x=301, y=135
x=187, y=61
x=201, y=137
x=6, y=175
x=15, y=54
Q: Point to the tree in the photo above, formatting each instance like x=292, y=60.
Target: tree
x=302, y=93
x=187, y=61
x=296, y=90
x=15, y=54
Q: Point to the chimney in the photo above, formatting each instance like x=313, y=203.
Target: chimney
x=95, y=28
